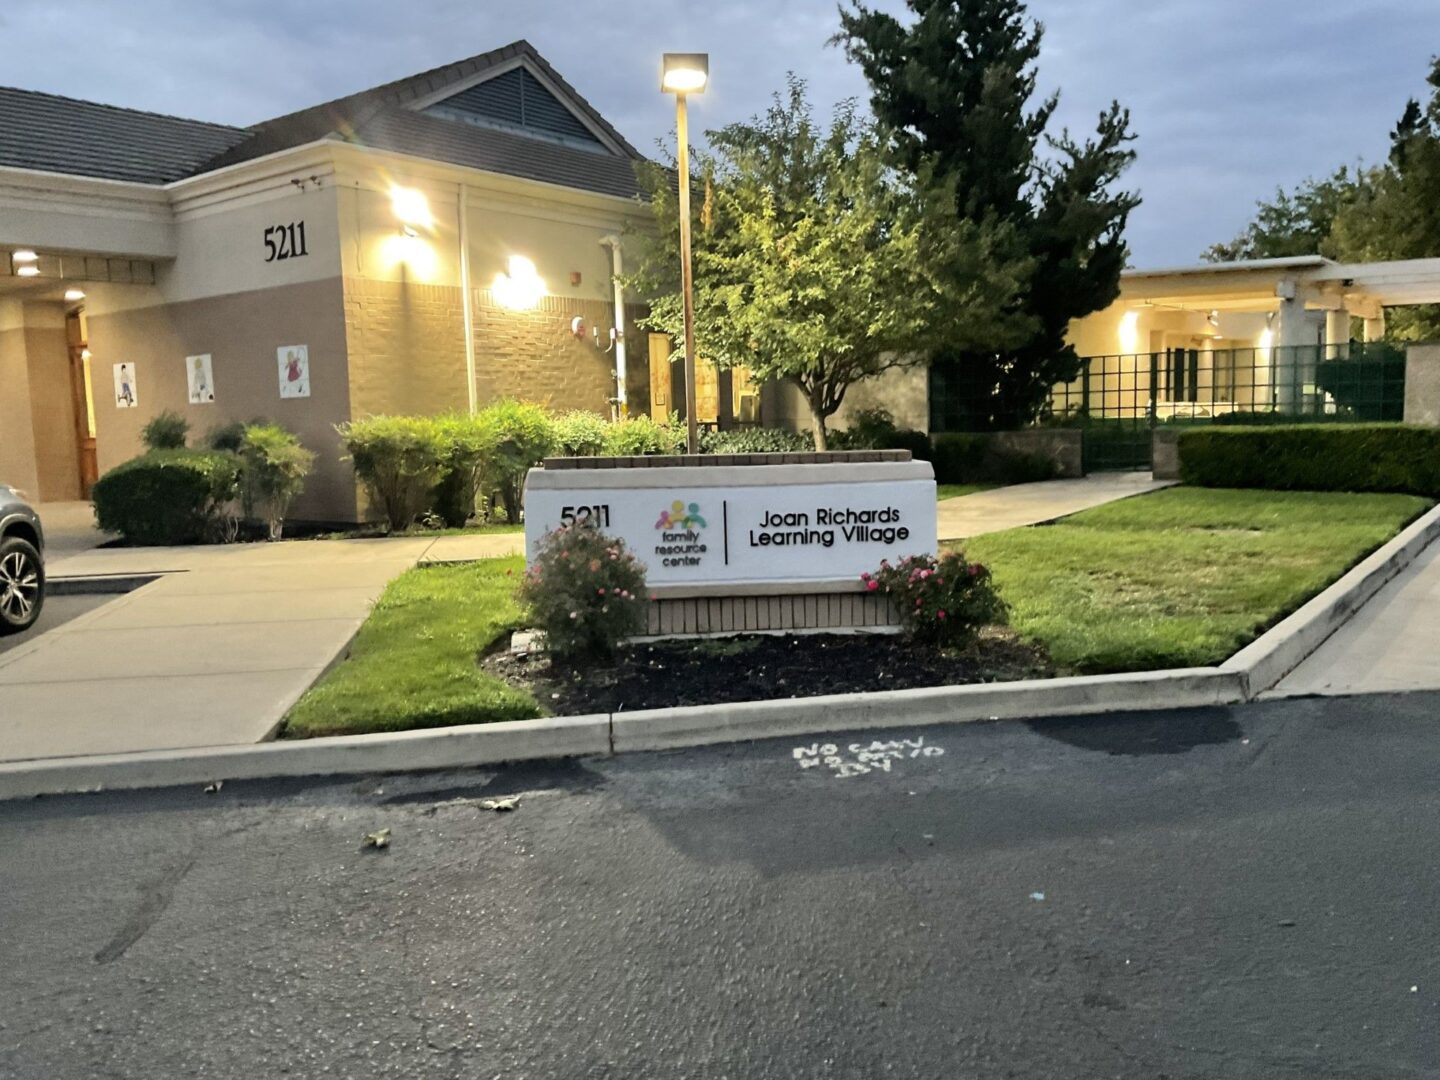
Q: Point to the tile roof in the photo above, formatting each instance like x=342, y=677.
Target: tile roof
x=60, y=134
x=379, y=118
x=41, y=131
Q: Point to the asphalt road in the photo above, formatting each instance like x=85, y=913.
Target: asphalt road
x=1222, y=893
x=57, y=611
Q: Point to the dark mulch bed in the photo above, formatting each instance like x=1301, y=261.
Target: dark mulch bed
x=756, y=667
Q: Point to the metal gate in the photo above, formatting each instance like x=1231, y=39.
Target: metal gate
x=1119, y=400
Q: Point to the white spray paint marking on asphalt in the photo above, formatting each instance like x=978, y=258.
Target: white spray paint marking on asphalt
x=857, y=758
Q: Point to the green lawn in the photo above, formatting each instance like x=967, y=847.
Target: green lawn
x=954, y=491
x=413, y=664
x=1180, y=577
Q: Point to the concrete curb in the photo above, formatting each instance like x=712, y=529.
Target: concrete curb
x=662, y=729
x=1279, y=651
x=437, y=748
x=1243, y=677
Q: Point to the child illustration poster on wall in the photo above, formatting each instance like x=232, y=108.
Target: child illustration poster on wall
x=201, y=377
x=125, y=396
x=294, y=370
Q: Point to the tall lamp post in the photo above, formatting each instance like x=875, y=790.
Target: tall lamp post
x=682, y=74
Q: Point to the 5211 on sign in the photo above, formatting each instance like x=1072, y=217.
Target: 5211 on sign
x=598, y=515
x=285, y=241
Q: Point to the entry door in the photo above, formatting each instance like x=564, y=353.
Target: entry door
x=661, y=401
x=83, y=395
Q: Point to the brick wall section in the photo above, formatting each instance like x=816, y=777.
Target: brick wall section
x=407, y=347
x=533, y=355
x=658, y=461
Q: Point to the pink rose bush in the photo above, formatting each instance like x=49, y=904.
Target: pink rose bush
x=585, y=591
x=943, y=601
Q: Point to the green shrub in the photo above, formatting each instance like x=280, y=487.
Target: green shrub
x=1016, y=467
x=917, y=442
x=1366, y=387
x=639, y=435
x=585, y=591
x=520, y=436
x=870, y=429
x=944, y=601
x=580, y=433
x=166, y=496
x=958, y=457
x=1314, y=457
x=274, y=467
x=399, y=459
x=756, y=441
x=228, y=437
x=166, y=431
x=468, y=448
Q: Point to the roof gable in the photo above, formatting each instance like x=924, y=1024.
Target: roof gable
x=516, y=100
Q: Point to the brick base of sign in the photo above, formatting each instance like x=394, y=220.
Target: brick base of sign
x=690, y=461
x=684, y=616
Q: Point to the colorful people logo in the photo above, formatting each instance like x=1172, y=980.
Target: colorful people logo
x=680, y=516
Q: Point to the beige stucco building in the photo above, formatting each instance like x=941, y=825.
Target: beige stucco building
x=430, y=243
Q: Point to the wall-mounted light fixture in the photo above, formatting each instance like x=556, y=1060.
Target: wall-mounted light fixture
x=411, y=208
x=27, y=270
x=1130, y=332
x=74, y=294
x=24, y=255
x=521, y=288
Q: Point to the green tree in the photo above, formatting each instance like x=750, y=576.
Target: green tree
x=1399, y=217
x=953, y=89
x=1387, y=211
x=1298, y=222
x=816, y=263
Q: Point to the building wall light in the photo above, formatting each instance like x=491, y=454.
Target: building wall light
x=411, y=208
x=521, y=288
x=24, y=255
x=28, y=270
x=1130, y=332
x=74, y=294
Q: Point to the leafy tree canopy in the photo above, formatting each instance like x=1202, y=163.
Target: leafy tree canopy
x=1388, y=211
x=817, y=263
x=953, y=89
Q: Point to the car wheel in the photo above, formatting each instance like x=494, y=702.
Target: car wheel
x=22, y=585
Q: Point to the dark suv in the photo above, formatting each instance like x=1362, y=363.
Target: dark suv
x=22, y=563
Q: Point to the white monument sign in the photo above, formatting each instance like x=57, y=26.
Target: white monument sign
x=745, y=524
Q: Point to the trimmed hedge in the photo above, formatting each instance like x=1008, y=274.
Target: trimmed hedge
x=1314, y=457
x=755, y=441
x=958, y=457
x=166, y=496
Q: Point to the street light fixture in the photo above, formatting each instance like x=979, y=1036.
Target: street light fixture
x=682, y=74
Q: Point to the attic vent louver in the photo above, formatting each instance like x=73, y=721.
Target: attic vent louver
x=517, y=101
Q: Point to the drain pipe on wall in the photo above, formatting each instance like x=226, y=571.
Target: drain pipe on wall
x=616, y=269
x=466, y=302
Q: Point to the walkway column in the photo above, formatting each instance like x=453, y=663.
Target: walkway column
x=1375, y=325
x=1337, y=333
x=1288, y=366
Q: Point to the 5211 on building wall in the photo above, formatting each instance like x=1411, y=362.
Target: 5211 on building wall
x=285, y=242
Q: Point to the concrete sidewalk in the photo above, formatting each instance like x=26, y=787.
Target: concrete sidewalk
x=1030, y=504
x=1389, y=645
x=214, y=651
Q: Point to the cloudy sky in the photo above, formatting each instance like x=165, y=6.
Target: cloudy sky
x=1230, y=97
